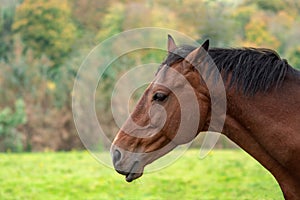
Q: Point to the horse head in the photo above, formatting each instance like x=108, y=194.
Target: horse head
x=172, y=111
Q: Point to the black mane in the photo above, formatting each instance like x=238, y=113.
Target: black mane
x=252, y=69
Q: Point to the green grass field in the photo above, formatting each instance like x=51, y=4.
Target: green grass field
x=77, y=175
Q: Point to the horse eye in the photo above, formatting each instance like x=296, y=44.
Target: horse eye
x=159, y=97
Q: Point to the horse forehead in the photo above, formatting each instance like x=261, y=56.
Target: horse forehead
x=170, y=78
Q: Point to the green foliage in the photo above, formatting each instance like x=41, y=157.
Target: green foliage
x=121, y=17
x=45, y=26
x=294, y=57
x=6, y=21
x=10, y=138
x=112, y=22
x=274, y=5
x=242, y=16
x=27, y=76
x=217, y=24
x=88, y=14
x=258, y=35
x=76, y=175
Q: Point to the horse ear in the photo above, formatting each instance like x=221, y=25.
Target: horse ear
x=205, y=45
x=195, y=56
x=171, y=44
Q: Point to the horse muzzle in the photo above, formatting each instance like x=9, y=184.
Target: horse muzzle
x=127, y=163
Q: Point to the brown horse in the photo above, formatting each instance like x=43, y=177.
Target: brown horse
x=262, y=110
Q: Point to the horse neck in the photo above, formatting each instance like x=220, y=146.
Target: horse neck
x=257, y=125
x=264, y=113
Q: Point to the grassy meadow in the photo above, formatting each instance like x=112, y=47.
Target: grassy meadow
x=224, y=174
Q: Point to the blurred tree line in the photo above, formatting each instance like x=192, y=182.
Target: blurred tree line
x=43, y=43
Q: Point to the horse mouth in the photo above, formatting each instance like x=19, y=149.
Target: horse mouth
x=132, y=174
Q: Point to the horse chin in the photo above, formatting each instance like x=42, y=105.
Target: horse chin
x=132, y=176
x=135, y=172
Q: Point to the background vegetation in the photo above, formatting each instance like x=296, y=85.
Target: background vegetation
x=43, y=42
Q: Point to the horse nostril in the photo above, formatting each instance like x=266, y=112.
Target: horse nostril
x=116, y=156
